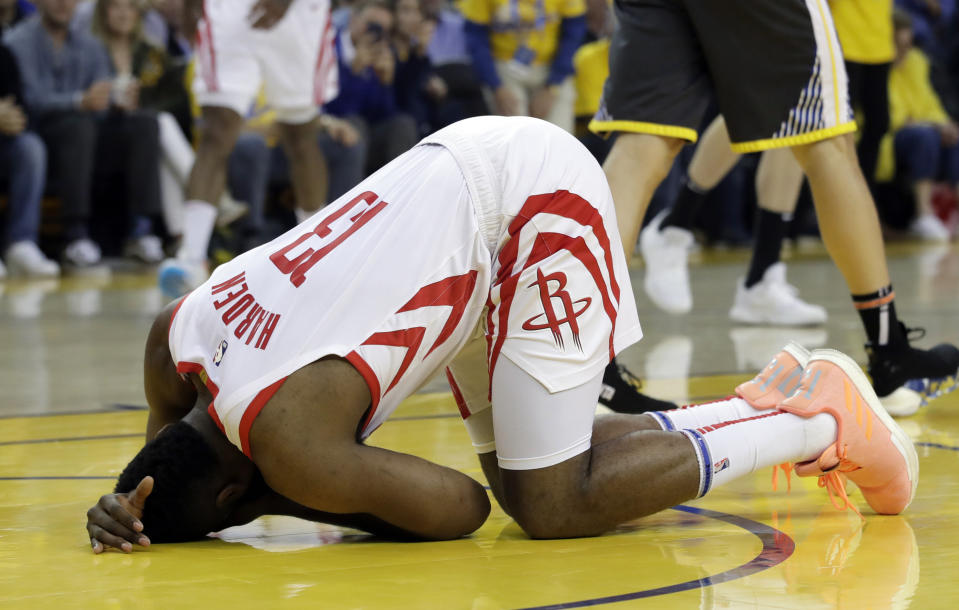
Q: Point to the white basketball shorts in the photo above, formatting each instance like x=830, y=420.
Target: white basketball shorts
x=294, y=62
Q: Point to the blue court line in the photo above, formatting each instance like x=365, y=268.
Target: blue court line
x=777, y=548
x=937, y=446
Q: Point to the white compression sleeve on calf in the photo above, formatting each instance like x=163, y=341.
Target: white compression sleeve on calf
x=706, y=414
x=198, y=220
x=732, y=449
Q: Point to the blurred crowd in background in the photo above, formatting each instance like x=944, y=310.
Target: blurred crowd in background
x=97, y=122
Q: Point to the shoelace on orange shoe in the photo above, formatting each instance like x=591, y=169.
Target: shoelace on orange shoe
x=787, y=468
x=835, y=483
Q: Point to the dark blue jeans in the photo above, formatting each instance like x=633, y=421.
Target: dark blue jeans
x=248, y=176
x=23, y=161
x=921, y=155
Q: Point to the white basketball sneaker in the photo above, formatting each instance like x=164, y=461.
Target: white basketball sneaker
x=665, y=252
x=176, y=277
x=928, y=227
x=24, y=258
x=774, y=301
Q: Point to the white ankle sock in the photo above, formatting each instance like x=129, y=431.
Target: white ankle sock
x=731, y=449
x=706, y=414
x=198, y=220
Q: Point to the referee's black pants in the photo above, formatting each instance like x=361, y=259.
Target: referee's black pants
x=869, y=93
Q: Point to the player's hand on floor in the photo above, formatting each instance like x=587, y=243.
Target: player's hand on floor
x=115, y=520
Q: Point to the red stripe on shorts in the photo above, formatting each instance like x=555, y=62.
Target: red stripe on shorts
x=458, y=395
x=323, y=64
x=570, y=206
x=372, y=382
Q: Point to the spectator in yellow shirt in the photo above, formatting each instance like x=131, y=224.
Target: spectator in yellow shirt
x=522, y=51
x=865, y=32
x=592, y=68
x=925, y=139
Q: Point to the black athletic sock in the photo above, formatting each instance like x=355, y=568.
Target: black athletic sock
x=686, y=207
x=878, y=313
x=770, y=232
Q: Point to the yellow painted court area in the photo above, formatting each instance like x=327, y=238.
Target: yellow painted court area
x=71, y=417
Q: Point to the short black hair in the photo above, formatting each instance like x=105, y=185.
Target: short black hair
x=182, y=465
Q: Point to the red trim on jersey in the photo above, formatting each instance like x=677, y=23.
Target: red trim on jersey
x=715, y=427
x=455, y=292
x=410, y=338
x=216, y=418
x=256, y=405
x=193, y=367
x=371, y=381
x=457, y=395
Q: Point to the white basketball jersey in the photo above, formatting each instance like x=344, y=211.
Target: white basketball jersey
x=395, y=275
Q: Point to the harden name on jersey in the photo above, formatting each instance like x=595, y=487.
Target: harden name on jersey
x=236, y=300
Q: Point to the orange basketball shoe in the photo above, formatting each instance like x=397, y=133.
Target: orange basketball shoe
x=778, y=380
x=871, y=449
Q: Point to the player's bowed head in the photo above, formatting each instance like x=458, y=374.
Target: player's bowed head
x=201, y=483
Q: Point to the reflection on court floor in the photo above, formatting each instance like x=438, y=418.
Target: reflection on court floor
x=71, y=415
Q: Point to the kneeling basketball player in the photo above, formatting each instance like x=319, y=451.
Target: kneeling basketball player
x=491, y=250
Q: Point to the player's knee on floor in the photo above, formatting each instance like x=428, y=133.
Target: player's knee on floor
x=551, y=502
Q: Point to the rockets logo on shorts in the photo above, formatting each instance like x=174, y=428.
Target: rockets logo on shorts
x=571, y=309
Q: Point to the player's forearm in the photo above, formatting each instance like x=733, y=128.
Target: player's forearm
x=275, y=504
x=156, y=421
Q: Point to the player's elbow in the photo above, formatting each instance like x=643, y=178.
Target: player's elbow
x=461, y=517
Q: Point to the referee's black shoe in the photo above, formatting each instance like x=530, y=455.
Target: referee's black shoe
x=620, y=392
x=906, y=377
